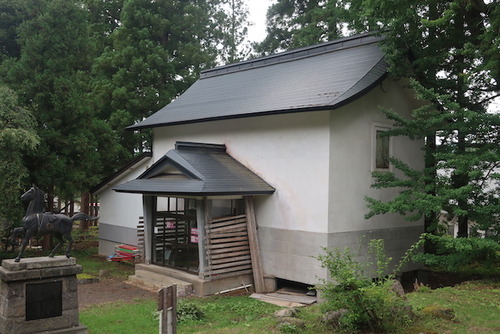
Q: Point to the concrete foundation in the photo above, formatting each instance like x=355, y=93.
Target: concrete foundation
x=39, y=295
x=155, y=277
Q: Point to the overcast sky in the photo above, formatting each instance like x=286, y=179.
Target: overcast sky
x=258, y=9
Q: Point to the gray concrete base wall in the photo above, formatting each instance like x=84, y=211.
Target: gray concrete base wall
x=112, y=235
x=396, y=241
x=291, y=255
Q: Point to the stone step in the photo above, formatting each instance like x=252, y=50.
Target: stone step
x=155, y=281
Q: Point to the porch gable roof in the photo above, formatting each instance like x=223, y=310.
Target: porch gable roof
x=318, y=77
x=195, y=169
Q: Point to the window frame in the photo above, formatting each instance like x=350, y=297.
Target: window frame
x=376, y=127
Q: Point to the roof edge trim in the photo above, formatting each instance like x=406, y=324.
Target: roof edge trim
x=308, y=51
x=196, y=194
x=264, y=113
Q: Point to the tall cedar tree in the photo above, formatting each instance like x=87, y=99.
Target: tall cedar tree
x=17, y=136
x=154, y=54
x=233, y=29
x=49, y=68
x=89, y=68
x=297, y=23
x=451, y=51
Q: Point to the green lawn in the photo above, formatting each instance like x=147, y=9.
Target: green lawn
x=476, y=306
x=139, y=316
x=222, y=315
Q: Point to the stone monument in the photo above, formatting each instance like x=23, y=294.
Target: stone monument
x=39, y=295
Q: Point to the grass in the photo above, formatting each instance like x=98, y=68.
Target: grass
x=138, y=316
x=222, y=315
x=476, y=305
x=230, y=315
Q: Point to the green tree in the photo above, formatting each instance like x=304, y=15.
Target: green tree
x=297, y=23
x=449, y=50
x=51, y=75
x=154, y=54
x=90, y=68
x=17, y=137
x=233, y=28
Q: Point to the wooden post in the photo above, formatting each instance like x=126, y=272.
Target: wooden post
x=258, y=274
x=167, y=305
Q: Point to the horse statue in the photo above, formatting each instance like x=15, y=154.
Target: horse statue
x=36, y=198
x=36, y=224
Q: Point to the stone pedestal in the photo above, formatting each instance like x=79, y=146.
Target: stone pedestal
x=39, y=295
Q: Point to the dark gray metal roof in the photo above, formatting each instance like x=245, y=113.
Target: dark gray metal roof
x=320, y=77
x=194, y=169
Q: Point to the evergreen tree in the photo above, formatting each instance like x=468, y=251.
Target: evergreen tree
x=50, y=74
x=233, y=29
x=154, y=54
x=448, y=48
x=90, y=68
x=17, y=136
x=297, y=23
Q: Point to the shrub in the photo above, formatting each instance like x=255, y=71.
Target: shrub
x=370, y=304
x=288, y=328
x=188, y=312
x=452, y=254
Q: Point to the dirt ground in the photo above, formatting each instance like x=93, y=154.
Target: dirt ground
x=115, y=289
x=110, y=290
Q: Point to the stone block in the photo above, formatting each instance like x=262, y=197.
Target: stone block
x=12, y=307
x=15, y=280
x=38, y=263
x=70, y=301
x=73, y=330
x=71, y=284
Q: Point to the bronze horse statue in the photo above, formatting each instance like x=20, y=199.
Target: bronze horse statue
x=37, y=223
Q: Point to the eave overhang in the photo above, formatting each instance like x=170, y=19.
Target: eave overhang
x=199, y=170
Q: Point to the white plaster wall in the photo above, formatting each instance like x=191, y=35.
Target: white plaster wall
x=290, y=152
x=351, y=157
x=121, y=209
x=320, y=165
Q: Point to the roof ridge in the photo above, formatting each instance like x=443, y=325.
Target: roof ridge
x=304, y=52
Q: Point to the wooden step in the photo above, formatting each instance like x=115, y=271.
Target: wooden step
x=155, y=281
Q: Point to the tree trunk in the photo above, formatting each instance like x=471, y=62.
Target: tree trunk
x=84, y=224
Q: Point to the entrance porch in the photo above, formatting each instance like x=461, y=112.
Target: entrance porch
x=199, y=220
x=184, y=245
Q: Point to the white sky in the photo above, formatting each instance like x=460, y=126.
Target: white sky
x=258, y=10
